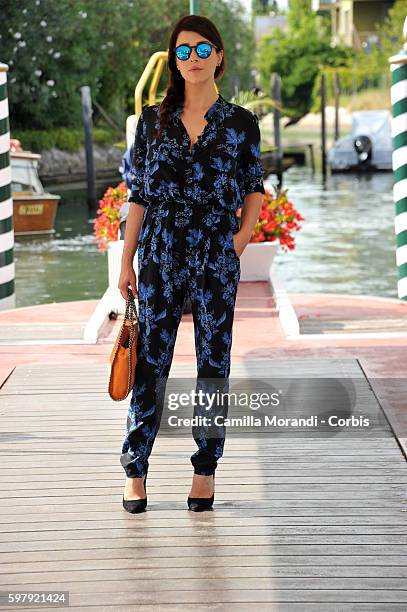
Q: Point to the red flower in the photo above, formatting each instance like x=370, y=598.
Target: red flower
x=106, y=225
x=277, y=219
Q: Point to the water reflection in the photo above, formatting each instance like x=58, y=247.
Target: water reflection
x=347, y=244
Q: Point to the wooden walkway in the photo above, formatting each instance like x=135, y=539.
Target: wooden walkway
x=307, y=524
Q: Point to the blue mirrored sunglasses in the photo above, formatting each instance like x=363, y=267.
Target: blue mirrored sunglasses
x=203, y=50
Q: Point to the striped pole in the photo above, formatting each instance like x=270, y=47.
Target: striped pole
x=7, y=295
x=398, y=67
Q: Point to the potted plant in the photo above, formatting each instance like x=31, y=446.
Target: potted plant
x=278, y=219
x=107, y=234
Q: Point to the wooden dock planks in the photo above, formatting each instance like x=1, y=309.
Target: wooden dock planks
x=298, y=523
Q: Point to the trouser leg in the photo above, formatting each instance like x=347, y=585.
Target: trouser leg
x=160, y=311
x=213, y=303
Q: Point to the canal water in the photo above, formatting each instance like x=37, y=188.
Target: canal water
x=347, y=244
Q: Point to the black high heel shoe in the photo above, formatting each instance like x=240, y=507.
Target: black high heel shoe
x=198, y=504
x=136, y=505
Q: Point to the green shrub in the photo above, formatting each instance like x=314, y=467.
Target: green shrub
x=66, y=139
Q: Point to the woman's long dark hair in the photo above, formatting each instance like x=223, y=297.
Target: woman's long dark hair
x=176, y=88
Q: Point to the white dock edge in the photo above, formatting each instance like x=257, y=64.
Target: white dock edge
x=112, y=298
x=291, y=327
x=99, y=317
x=286, y=313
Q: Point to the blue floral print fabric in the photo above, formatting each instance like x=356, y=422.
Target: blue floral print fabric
x=222, y=169
x=185, y=249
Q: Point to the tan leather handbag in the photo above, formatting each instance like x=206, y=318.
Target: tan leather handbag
x=123, y=357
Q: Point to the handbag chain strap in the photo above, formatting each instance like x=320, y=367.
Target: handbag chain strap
x=132, y=315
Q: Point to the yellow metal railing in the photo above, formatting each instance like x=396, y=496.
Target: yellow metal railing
x=156, y=62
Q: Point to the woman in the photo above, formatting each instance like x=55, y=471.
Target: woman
x=196, y=159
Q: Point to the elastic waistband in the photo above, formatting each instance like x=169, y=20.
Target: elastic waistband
x=195, y=207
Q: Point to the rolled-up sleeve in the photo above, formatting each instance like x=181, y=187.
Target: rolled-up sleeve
x=138, y=162
x=250, y=171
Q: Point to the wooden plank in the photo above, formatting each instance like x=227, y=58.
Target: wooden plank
x=113, y=569
x=271, y=477
x=382, y=482
x=368, y=324
x=38, y=531
x=55, y=550
x=223, y=557
x=318, y=495
x=197, y=581
x=213, y=592
x=260, y=607
x=282, y=565
x=284, y=511
x=274, y=519
x=347, y=545
x=238, y=607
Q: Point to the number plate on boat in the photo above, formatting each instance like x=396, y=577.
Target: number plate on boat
x=31, y=209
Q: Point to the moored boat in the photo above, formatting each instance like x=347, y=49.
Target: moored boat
x=34, y=210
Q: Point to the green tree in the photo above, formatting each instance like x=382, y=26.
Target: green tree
x=297, y=55
x=50, y=53
x=390, y=34
x=53, y=47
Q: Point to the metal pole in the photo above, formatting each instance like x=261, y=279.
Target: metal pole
x=7, y=266
x=323, y=127
x=398, y=94
x=194, y=7
x=87, y=126
x=276, y=96
x=337, y=92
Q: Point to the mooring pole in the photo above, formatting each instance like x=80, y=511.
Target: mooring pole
x=87, y=126
x=323, y=127
x=7, y=267
x=276, y=96
x=398, y=94
x=337, y=93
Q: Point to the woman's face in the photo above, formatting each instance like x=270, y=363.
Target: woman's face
x=207, y=66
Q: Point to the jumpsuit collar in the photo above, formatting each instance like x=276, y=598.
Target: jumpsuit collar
x=216, y=110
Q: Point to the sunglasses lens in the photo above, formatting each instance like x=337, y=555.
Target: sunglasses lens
x=183, y=52
x=204, y=50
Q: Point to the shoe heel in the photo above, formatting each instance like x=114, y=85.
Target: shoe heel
x=198, y=504
x=134, y=506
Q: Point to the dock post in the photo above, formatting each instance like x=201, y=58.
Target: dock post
x=276, y=96
x=398, y=94
x=7, y=267
x=336, y=94
x=323, y=127
x=87, y=126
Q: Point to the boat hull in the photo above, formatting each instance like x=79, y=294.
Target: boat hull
x=34, y=214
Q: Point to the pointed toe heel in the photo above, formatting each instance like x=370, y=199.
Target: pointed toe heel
x=199, y=504
x=134, y=506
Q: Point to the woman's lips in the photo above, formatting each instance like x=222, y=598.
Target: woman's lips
x=193, y=69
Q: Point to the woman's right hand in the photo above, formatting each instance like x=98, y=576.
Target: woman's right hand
x=127, y=278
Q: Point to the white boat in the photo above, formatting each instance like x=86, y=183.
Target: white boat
x=368, y=147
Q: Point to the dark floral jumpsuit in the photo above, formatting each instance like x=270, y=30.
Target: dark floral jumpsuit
x=186, y=248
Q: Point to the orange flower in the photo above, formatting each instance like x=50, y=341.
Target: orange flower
x=277, y=219
x=106, y=225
